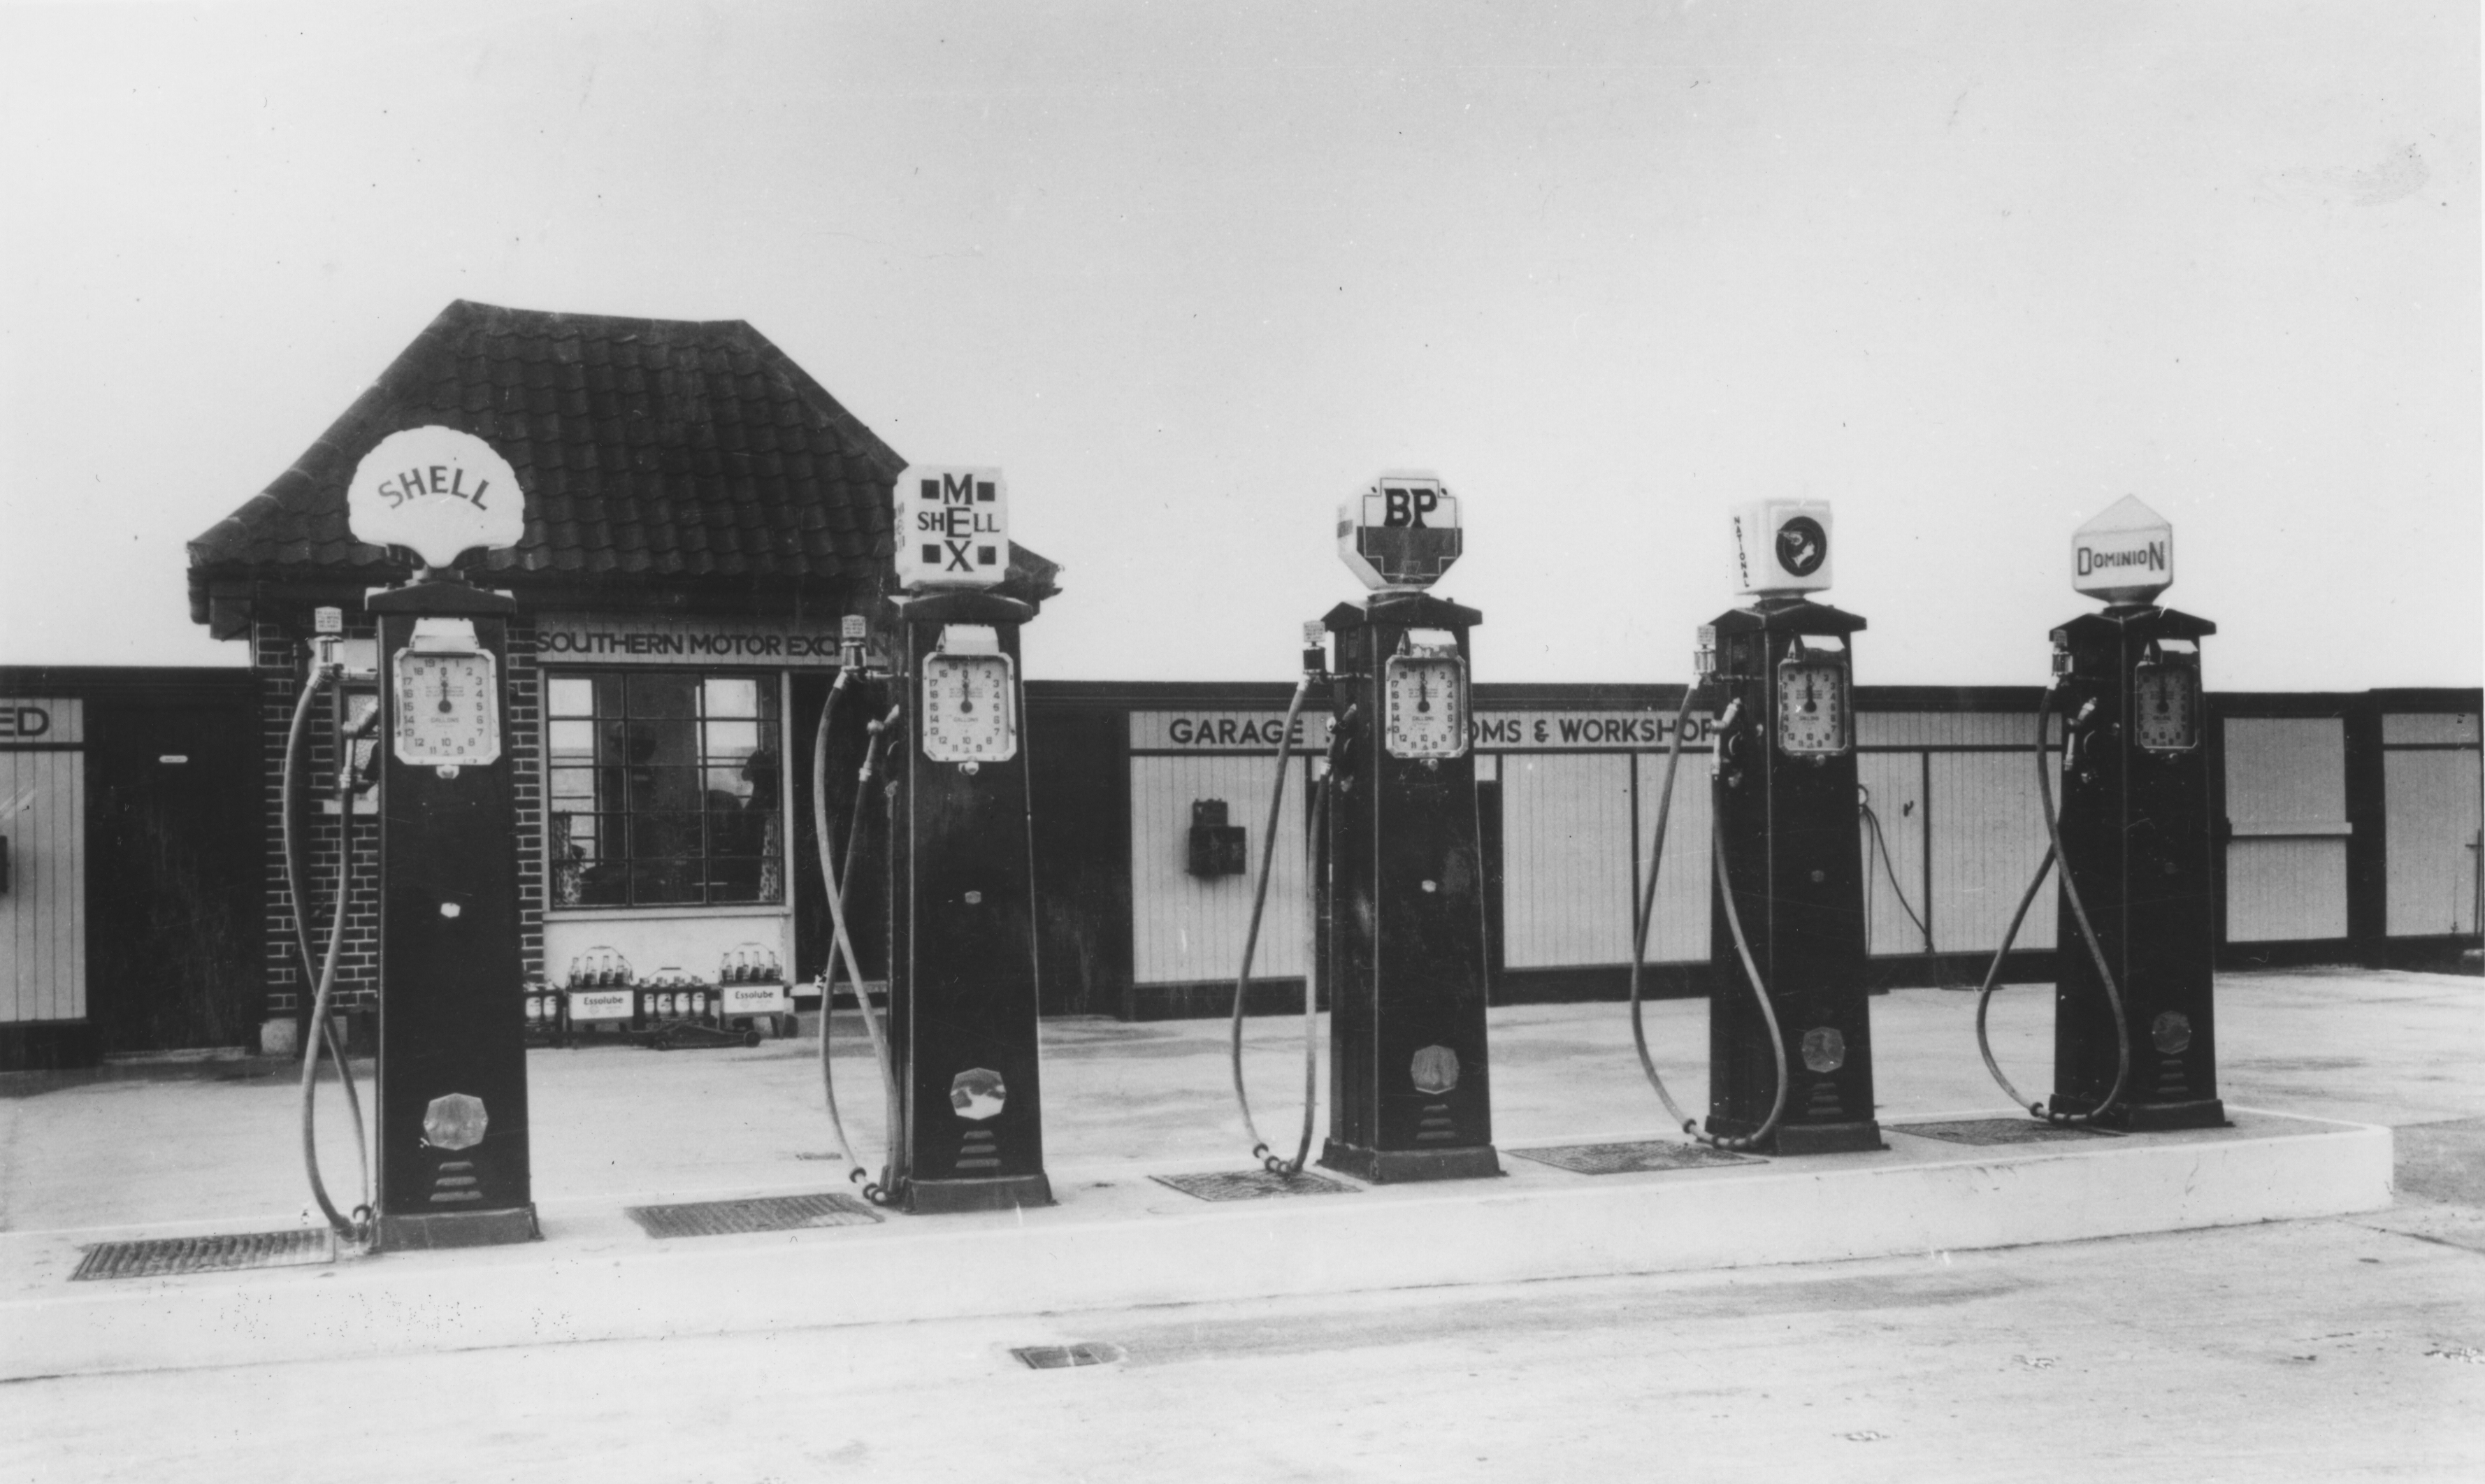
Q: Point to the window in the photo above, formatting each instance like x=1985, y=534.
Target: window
x=662, y=788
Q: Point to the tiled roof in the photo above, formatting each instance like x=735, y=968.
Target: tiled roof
x=655, y=453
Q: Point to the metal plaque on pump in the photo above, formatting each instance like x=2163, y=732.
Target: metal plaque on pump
x=968, y=1104
x=1402, y=935
x=453, y=1155
x=2136, y=841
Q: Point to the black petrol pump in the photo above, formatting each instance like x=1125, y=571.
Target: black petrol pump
x=1788, y=884
x=453, y=1137
x=967, y=1113
x=1403, y=948
x=2136, y=839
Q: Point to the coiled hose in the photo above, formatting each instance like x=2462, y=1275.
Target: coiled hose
x=2088, y=934
x=1647, y=909
x=355, y=1231
x=1283, y=1168
x=830, y=877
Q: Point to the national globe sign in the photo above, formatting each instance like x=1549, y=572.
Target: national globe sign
x=438, y=492
x=1782, y=546
x=1400, y=531
x=952, y=526
x=2125, y=555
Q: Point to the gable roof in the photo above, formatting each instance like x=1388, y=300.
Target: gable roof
x=689, y=456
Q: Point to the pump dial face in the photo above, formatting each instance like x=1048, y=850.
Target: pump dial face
x=448, y=709
x=2166, y=701
x=1426, y=706
x=968, y=711
x=1811, y=707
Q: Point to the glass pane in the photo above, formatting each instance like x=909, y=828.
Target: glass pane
x=664, y=788
x=740, y=879
x=570, y=741
x=732, y=739
x=666, y=834
x=665, y=881
x=571, y=788
x=608, y=695
x=741, y=831
x=569, y=696
x=662, y=695
x=585, y=884
x=732, y=696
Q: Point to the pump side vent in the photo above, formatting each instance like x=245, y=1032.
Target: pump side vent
x=175, y=1256
x=1632, y=1158
x=1999, y=1130
x=735, y=1218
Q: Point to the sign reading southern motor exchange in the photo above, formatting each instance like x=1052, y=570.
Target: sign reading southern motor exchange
x=1492, y=732
x=565, y=638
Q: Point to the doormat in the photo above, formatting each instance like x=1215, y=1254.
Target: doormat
x=1255, y=1185
x=172, y=1256
x=1999, y=1130
x=1625, y=1158
x=735, y=1218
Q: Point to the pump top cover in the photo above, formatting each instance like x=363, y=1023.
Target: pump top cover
x=1782, y=547
x=952, y=527
x=1401, y=531
x=2125, y=555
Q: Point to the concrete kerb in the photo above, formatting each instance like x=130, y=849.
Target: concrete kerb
x=1120, y=1239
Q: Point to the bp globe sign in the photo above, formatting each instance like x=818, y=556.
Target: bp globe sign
x=1401, y=531
x=437, y=492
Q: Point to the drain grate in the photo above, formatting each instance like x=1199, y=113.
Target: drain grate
x=1253, y=1185
x=1998, y=1131
x=1632, y=1158
x=733, y=1218
x=1054, y=1358
x=173, y=1256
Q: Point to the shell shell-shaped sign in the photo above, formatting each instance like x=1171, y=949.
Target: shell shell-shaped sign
x=437, y=492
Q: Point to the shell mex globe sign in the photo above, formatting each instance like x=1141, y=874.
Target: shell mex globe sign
x=952, y=526
x=437, y=492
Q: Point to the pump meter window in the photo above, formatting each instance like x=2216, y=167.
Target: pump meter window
x=1426, y=704
x=968, y=715
x=1812, y=706
x=446, y=710
x=2166, y=701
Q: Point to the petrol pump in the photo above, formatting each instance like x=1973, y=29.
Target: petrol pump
x=451, y=1131
x=1790, y=1066
x=966, y=1105
x=2133, y=1034
x=1403, y=944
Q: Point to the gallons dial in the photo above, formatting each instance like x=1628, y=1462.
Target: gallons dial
x=2166, y=701
x=968, y=710
x=1811, y=707
x=448, y=709
x=1425, y=705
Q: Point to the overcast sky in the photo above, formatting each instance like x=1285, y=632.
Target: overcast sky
x=1971, y=272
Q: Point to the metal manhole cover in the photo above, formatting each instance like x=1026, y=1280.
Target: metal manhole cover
x=1632, y=1158
x=1998, y=1131
x=1253, y=1185
x=1054, y=1358
x=172, y=1256
x=732, y=1218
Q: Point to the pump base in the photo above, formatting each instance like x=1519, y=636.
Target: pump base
x=2148, y=1117
x=1010, y=1192
x=458, y=1228
x=1398, y=1167
x=1824, y=1138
